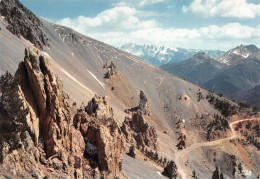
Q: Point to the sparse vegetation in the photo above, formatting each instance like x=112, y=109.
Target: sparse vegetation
x=131, y=152
x=12, y=111
x=199, y=96
x=218, y=124
x=225, y=107
x=181, y=145
x=170, y=170
x=251, y=132
x=217, y=174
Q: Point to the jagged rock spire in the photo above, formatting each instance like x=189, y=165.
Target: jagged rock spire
x=143, y=104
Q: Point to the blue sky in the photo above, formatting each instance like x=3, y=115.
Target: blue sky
x=199, y=24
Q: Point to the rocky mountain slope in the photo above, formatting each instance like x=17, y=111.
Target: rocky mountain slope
x=238, y=54
x=232, y=74
x=43, y=143
x=198, y=69
x=159, y=55
x=250, y=96
x=115, y=101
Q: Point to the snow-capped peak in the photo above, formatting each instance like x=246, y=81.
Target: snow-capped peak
x=242, y=52
x=159, y=55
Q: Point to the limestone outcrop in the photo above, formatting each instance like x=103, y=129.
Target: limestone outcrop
x=47, y=143
x=52, y=104
x=137, y=131
x=143, y=104
x=111, y=70
x=105, y=137
x=99, y=107
x=101, y=133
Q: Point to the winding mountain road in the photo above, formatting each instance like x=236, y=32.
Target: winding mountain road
x=179, y=155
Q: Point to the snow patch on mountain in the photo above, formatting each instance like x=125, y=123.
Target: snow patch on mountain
x=102, y=84
x=159, y=55
x=239, y=53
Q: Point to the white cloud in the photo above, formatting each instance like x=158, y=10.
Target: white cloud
x=211, y=37
x=119, y=18
x=120, y=25
x=224, y=8
x=137, y=2
x=148, y=2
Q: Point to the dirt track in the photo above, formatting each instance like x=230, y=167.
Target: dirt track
x=180, y=154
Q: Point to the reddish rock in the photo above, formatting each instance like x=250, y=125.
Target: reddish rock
x=47, y=145
x=143, y=134
x=54, y=106
x=99, y=107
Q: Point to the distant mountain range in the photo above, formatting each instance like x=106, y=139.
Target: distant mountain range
x=236, y=73
x=159, y=55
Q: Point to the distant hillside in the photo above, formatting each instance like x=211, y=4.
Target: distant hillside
x=251, y=96
x=198, y=69
x=159, y=55
x=232, y=74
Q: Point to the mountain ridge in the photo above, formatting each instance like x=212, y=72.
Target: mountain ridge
x=159, y=55
x=235, y=71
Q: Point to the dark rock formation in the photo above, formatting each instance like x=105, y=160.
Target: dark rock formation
x=136, y=130
x=46, y=136
x=23, y=23
x=111, y=70
x=131, y=152
x=170, y=170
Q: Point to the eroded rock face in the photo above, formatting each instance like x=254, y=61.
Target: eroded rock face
x=22, y=22
x=53, y=105
x=143, y=104
x=47, y=144
x=109, y=146
x=46, y=139
x=111, y=70
x=136, y=130
x=99, y=107
x=101, y=134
